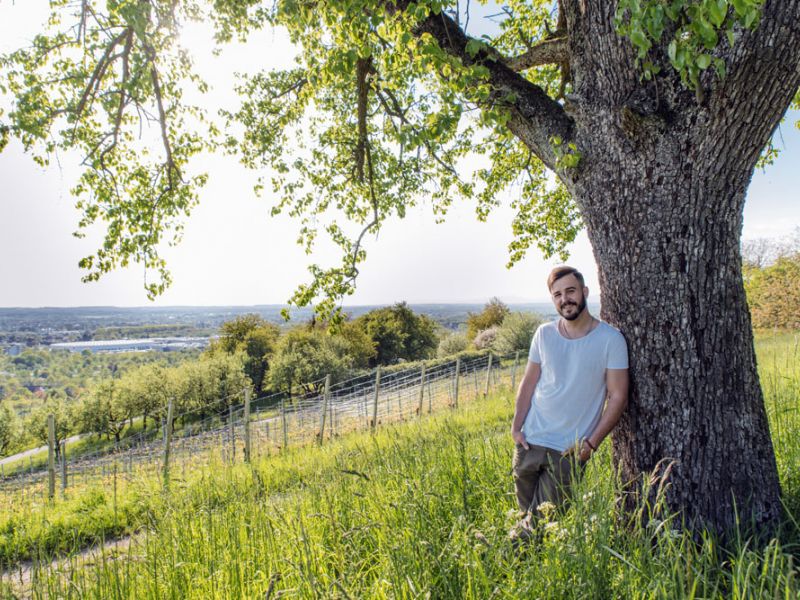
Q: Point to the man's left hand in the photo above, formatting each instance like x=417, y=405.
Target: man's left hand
x=581, y=450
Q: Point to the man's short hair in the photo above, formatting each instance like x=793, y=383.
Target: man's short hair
x=563, y=271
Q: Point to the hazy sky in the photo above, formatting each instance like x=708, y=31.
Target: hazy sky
x=233, y=252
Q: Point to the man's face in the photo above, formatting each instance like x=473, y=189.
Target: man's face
x=569, y=297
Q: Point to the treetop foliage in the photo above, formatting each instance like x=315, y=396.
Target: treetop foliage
x=385, y=102
x=492, y=314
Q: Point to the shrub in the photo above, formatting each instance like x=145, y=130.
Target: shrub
x=485, y=339
x=516, y=332
x=452, y=343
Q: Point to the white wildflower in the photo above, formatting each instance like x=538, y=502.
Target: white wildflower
x=546, y=508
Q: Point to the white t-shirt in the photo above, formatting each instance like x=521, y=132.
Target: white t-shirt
x=569, y=396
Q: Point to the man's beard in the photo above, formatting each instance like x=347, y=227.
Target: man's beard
x=581, y=306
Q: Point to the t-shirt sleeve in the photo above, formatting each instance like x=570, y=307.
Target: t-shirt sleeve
x=617, y=352
x=533, y=354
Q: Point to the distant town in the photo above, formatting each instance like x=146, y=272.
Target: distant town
x=123, y=329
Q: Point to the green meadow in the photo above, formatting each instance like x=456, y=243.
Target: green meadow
x=419, y=509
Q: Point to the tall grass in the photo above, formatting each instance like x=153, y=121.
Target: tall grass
x=422, y=510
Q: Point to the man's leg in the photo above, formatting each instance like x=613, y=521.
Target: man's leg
x=527, y=468
x=555, y=481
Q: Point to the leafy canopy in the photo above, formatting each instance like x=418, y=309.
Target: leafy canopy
x=375, y=117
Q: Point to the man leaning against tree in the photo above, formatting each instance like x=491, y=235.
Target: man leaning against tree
x=574, y=391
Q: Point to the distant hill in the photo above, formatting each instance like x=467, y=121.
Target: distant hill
x=47, y=325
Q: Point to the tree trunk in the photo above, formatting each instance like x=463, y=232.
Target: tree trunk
x=665, y=224
x=661, y=187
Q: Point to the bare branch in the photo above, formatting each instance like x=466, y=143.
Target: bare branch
x=162, y=115
x=363, y=67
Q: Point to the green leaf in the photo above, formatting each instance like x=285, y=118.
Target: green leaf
x=717, y=10
x=473, y=47
x=719, y=66
x=671, y=50
x=703, y=61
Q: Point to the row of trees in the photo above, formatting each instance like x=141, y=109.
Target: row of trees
x=27, y=377
x=304, y=354
x=301, y=357
x=203, y=386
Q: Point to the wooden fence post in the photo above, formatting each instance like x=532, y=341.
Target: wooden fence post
x=51, y=456
x=167, y=442
x=375, y=401
x=457, y=377
x=421, y=390
x=325, y=399
x=514, y=373
x=63, y=467
x=231, y=433
x=115, y=491
x=284, y=425
x=488, y=375
x=247, y=425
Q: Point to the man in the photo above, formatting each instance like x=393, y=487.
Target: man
x=575, y=364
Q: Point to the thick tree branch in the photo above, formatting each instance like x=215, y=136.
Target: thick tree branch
x=537, y=117
x=763, y=94
x=548, y=52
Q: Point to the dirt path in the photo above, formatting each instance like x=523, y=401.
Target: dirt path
x=33, y=451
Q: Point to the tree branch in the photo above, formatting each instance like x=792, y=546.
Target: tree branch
x=363, y=68
x=763, y=73
x=537, y=117
x=548, y=52
x=97, y=75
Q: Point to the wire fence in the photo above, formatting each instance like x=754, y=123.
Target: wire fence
x=266, y=425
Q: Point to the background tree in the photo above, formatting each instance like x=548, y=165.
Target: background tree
x=147, y=387
x=256, y=338
x=398, y=333
x=304, y=357
x=9, y=429
x=652, y=116
x=357, y=345
x=107, y=410
x=492, y=314
x=65, y=421
x=772, y=279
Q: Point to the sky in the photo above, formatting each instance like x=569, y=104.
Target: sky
x=234, y=253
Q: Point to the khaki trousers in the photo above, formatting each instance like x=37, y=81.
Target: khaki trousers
x=542, y=475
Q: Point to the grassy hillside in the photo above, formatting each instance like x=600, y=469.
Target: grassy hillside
x=417, y=510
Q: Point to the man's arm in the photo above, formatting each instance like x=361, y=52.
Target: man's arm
x=617, y=400
x=524, y=396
